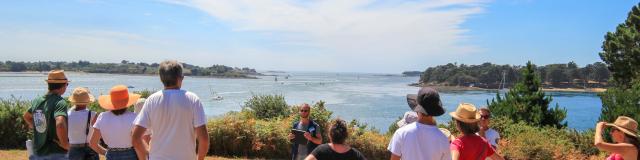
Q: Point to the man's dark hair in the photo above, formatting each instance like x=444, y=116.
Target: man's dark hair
x=338, y=131
x=467, y=128
x=169, y=72
x=54, y=86
x=119, y=112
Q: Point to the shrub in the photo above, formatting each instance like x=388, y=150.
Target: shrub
x=368, y=141
x=243, y=134
x=231, y=135
x=527, y=102
x=267, y=106
x=13, y=128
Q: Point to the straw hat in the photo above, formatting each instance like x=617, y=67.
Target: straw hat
x=626, y=125
x=466, y=113
x=118, y=98
x=57, y=76
x=81, y=96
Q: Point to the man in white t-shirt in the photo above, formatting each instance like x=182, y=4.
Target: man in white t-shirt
x=175, y=117
x=421, y=139
x=491, y=135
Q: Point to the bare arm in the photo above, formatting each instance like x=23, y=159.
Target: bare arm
x=455, y=155
x=138, y=143
x=203, y=141
x=95, y=139
x=61, y=132
x=619, y=148
x=310, y=157
x=495, y=156
x=315, y=140
x=395, y=157
x=28, y=118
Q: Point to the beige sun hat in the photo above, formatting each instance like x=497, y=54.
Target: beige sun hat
x=81, y=96
x=57, y=76
x=626, y=125
x=467, y=113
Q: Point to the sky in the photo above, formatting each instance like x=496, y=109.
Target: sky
x=370, y=36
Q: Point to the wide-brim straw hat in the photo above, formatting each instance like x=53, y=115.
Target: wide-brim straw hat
x=467, y=113
x=118, y=98
x=626, y=125
x=81, y=96
x=57, y=76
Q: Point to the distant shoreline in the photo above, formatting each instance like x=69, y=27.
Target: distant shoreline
x=80, y=72
x=463, y=88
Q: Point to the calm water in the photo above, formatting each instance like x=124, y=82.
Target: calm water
x=374, y=99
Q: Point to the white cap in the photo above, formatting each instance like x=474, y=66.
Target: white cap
x=409, y=117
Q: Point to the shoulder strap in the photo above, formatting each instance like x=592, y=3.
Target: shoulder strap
x=88, y=123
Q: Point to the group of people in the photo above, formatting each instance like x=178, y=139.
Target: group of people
x=420, y=138
x=166, y=125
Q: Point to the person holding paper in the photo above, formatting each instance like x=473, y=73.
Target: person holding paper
x=312, y=134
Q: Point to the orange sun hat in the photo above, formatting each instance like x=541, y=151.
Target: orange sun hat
x=118, y=98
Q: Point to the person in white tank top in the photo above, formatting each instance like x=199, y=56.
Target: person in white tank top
x=80, y=120
x=114, y=126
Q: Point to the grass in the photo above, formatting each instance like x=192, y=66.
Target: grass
x=22, y=154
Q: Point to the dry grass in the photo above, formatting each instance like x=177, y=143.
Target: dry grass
x=22, y=154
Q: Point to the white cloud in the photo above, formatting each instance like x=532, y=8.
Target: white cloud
x=355, y=34
x=73, y=45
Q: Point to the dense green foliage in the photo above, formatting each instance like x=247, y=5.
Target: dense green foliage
x=13, y=129
x=267, y=106
x=489, y=75
x=125, y=67
x=620, y=102
x=526, y=102
x=621, y=50
x=243, y=134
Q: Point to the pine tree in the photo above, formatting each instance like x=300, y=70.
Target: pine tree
x=528, y=103
x=621, y=51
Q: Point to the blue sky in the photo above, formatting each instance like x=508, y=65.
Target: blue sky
x=329, y=35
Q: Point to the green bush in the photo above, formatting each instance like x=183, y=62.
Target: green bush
x=368, y=141
x=267, y=106
x=13, y=130
x=243, y=134
x=523, y=141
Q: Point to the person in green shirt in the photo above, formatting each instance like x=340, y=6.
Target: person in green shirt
x=47, y=116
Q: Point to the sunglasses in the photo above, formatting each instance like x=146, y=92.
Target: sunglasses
x=485, y=116
x=614, y=129
x=304, y=110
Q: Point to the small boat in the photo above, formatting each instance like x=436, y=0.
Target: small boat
x=216, y=97
x=130, y=86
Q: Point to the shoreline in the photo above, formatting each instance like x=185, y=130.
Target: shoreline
x=463, y=88
x=132, y=74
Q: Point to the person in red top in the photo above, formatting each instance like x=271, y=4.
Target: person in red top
x=470, y=146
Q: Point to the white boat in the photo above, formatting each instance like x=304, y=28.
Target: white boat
x=214, y=95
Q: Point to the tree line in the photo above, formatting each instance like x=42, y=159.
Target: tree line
x=488, y=75
x=125, y=67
